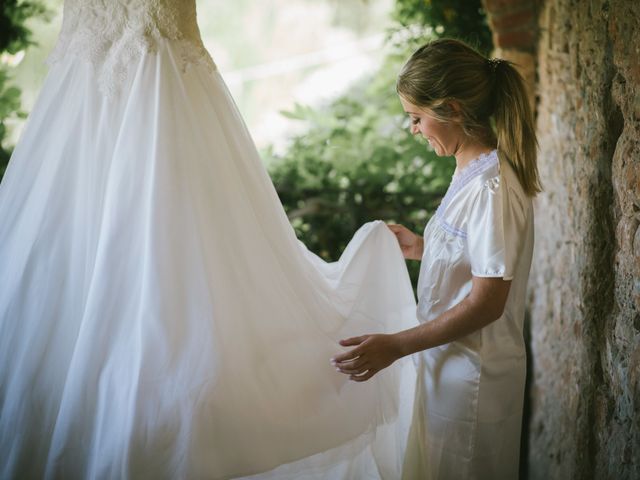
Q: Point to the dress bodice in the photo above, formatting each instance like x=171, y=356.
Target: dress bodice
x=113, y=34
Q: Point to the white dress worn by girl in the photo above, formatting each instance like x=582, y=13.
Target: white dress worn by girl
x=469, y=396
x=158, y=317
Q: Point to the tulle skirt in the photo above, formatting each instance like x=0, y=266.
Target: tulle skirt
x=159, y=318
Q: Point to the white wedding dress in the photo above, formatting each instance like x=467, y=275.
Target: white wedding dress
x=158, y=317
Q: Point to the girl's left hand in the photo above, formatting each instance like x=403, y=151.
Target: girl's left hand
x=372, y=354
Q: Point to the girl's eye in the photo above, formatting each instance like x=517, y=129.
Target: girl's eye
x=415, y=121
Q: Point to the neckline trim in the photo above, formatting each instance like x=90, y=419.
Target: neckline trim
x=475, y=167
x=474, y=164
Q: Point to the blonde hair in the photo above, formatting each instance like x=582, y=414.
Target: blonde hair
x=452, y=80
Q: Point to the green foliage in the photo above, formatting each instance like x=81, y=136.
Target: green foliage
x=462, y=19
x=14, y=37
x=358, y=161
x=9, y=108
x=14, y=34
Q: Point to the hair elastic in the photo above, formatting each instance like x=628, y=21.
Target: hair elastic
x=494, y=62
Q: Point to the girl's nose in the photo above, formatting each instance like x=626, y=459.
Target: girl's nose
x=414, y=129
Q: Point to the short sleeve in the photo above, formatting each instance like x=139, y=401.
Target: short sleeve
x=495, y=230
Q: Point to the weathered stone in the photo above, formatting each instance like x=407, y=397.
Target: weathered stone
x=585, y=283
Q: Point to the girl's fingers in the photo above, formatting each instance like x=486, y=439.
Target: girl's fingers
x=395, y=228
x=358, y=365
x=364, y=377
x=352, y=371
x=344, y=357
x=349, y=342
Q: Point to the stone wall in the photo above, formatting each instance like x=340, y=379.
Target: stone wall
x=585, y=304
x=585, y=283
x=515, y=31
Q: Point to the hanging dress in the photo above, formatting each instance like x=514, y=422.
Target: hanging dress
x=158, y=317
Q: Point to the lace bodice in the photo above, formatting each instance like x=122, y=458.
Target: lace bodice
x=112, y=34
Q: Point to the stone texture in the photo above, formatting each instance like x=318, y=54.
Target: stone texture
x=513, y=23
x=585, y=283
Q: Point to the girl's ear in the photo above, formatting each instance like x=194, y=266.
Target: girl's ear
x=456, y=110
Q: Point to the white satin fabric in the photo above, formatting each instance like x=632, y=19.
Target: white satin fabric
x=158, y=317
x=469, y=395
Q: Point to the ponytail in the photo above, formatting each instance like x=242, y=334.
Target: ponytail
x=514, y=125
x=486, y=91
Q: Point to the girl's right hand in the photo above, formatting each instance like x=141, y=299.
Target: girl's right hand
x=412, y=245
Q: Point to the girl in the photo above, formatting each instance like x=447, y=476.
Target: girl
x=476, y=255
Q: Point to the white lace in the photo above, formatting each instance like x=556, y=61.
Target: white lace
x=460, y=180
x=113, y=34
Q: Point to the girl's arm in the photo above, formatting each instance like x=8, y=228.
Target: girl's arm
x=484, y=304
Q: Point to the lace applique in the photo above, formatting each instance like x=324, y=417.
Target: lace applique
x=113, y=34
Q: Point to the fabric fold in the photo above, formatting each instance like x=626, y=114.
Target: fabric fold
x=158, y=316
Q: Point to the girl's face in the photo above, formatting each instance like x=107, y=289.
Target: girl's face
x=444, y=138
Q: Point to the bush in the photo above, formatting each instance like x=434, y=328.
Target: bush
x=14, y=37
x=9, y=108
x=358, y=162
x=462, y=19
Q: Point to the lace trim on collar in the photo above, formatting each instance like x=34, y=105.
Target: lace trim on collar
x=473, y=169
x=476, y=167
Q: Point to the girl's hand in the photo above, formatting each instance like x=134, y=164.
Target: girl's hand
x=372, y=354
x=412, y=245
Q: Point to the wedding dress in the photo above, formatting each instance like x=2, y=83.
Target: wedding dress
x=158, y=317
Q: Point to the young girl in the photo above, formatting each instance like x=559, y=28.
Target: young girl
x=476, y=255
